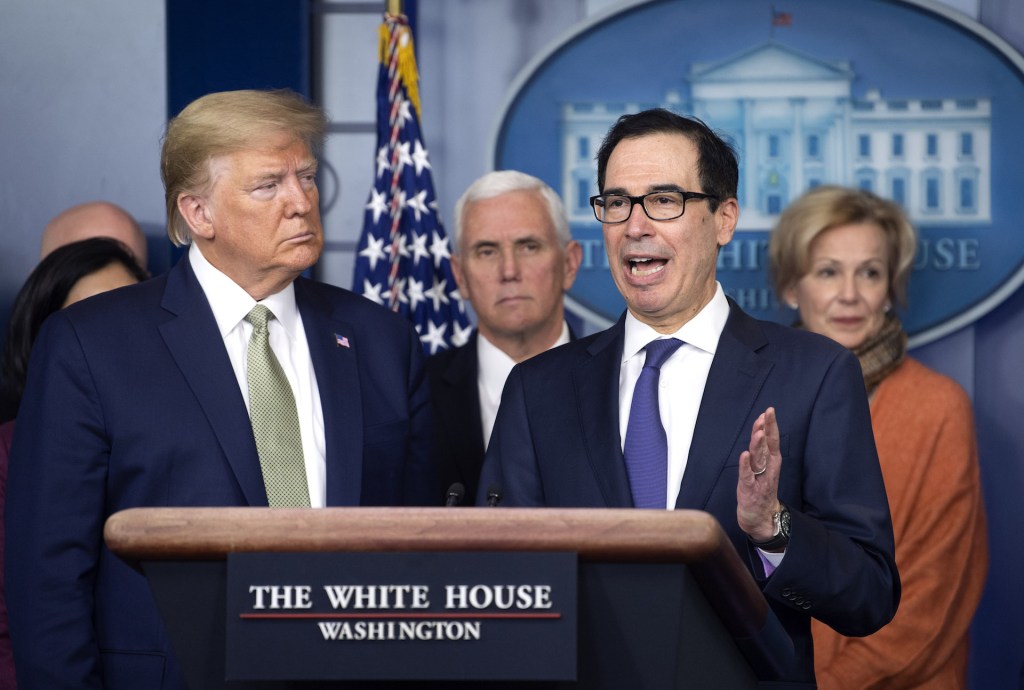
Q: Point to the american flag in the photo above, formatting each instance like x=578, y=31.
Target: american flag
x=781, y=18
x=403, y=260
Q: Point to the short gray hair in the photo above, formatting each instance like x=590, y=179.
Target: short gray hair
x=499, y=182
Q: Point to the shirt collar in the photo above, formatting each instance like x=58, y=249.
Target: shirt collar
x=494, y=365
x=702, y=331
x=230, y=303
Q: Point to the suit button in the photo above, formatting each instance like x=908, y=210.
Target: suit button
x=805, y=605
x=788, y=593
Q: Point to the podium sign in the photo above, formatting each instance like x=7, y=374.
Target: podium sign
x=638, y=598
x=401, y=616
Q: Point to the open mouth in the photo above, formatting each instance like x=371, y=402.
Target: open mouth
x=645, y=266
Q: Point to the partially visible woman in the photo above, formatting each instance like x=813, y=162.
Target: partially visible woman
x=69, y=274
x=842, y=257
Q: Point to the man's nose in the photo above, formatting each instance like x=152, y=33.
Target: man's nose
x=299, y=198
x=509, y=265
x=638, y=224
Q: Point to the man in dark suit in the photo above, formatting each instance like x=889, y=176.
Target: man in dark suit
x=765, y=427
x=513, y=259
x=147, y=396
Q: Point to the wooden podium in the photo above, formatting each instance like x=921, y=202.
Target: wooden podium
x=664, y=600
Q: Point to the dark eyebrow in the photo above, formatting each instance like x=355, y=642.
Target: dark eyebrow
x=619, y=191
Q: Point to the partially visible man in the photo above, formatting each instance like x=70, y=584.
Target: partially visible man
x=764, y=427
x=229, y=381
x=513, y=259
x=95, y=219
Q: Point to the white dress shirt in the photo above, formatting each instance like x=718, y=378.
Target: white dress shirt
x=682, y=380
x=230, y=305
x=494, y=366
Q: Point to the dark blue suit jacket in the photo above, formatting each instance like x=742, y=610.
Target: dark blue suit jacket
x=458, y=429
x=556, y=443
x=131, y=401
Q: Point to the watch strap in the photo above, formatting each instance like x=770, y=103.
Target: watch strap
x=781, y=538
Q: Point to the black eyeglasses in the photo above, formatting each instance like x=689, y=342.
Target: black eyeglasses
x=616, y=208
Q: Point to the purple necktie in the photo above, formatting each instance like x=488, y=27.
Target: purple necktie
x=646, y=448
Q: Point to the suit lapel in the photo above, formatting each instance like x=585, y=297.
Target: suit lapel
x=736, y=377
x=334, y=351
x=596, y=381
x=195, y=344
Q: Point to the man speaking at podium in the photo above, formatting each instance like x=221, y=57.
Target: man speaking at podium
x=230, y=381
x=687, y=402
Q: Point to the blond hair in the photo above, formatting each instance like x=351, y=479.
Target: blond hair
x=827, y=207
x=225, y=122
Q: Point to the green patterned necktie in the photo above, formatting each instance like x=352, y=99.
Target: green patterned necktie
x=275, y=422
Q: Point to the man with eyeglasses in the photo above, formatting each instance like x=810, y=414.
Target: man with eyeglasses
x=765, y=427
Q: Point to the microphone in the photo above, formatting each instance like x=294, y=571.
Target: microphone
x=454, y=496
x=493, y=495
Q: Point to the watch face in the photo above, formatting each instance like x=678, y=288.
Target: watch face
x=784, y=522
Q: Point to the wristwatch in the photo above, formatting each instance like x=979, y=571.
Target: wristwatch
x=781, y=538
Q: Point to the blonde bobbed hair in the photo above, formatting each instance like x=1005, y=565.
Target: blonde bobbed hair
x=827, y=207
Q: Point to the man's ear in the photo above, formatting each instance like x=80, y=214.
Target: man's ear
x=196, y=211
x=573, y=258
x=728, y=215
x=460, y=279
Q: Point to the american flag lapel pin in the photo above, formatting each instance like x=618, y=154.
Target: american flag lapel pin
x=341, y=340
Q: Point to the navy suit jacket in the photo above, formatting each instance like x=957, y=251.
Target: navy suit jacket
x=458, y=429
x=131, y=401
x=556, y=443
